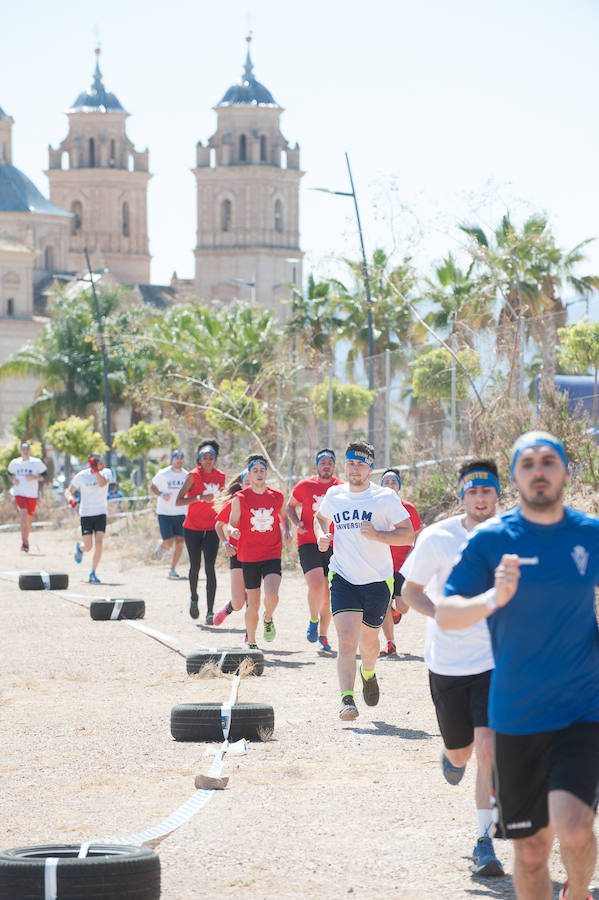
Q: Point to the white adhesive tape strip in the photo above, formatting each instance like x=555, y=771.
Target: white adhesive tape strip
x=45, y=576
x=84, y=850
x=181, y=815
x=50, y=878
x=168, y=641
x=222, y=659
x=225, y=710
x=116, y=609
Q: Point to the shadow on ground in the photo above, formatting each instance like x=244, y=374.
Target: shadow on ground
x=383, y=728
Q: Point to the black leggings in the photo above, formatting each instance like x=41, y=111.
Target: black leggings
x=198, y=542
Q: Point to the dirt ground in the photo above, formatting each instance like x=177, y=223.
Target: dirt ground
x=323, y=810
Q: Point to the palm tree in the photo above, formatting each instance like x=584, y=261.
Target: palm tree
x=314, y=320
x=528, y=272
x=462, y=303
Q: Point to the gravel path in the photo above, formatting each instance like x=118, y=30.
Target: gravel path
x=324, y=810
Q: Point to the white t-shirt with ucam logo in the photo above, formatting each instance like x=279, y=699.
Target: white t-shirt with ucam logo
x=169, y=482
x=20, y=469
x=356, y=558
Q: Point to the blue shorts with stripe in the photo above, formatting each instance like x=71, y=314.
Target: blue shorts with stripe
x=371, y=599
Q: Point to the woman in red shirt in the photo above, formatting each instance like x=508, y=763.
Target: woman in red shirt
x=198, y=493
x=223, y=530
x=257, y=513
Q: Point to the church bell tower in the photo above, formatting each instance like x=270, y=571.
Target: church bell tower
x=248, y=201
x=98, y=176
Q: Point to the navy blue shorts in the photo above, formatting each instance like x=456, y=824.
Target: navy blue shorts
x=372, y=600
x=170, y=526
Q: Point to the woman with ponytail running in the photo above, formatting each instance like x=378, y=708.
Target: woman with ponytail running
x=223, y=530
x=198, y=493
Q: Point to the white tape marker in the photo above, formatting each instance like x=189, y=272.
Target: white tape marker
x=50, y=878
x=529, y=560
x=83, y=850
x=45, y=576
x=116, y=609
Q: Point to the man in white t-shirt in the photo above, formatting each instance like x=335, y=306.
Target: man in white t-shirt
x=166, y=484
x=93, y=488
x=368, y=520
x=25, y=472
x=459, y=662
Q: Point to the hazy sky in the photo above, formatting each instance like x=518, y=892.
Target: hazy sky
x=447, y=109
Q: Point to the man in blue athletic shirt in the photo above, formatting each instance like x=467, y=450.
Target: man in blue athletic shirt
x=531, y=573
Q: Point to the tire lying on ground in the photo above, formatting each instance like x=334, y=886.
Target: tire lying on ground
x=103, y=610
x=39, y=581
x=228, y=660
x=202, y=722
x=108, y=872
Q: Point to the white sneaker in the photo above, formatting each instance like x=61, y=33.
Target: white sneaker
x=158, y=550
x=173, y=573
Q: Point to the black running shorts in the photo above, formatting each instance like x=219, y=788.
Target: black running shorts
x=254, y=572
x=89, y=524
x=372, y=600
x=527, y=766
x=311, y=557
x=234, y=563
x=461, y=703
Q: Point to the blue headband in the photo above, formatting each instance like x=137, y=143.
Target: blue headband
x=362, y=456
x=177, y=453
x=207, y=448
x=475, y=479
x=324, y=454
x=243, y=475
x=537, y=439
x=395, y=475
x=257, y=462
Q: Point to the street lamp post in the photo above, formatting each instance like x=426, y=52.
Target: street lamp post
x=366, y=277
x=104, y=358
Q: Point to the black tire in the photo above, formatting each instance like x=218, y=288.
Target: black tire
x=108, y=872
x=232, y=659
x=33, y=581
x=101, y=610
x=202, y=722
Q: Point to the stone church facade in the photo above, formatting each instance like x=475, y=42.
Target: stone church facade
x=247, y=246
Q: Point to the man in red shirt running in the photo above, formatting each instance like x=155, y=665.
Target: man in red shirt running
x=398, y=607
x=307, y=495
x=256, y=516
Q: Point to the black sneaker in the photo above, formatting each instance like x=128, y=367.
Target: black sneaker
x=209, y=618
x=348, y=709
x=193, y=609
x=370, y=690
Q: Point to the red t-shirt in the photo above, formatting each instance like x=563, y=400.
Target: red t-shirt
x=308, y=492
x=223, y=516
x=260, y=525
x=400, y=552
x=200, y=515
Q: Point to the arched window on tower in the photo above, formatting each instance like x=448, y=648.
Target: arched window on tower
x=77, y=220
x=225, y=215
x=243, y=148
x=262, y=148
x=278, y=217
x=126, y=220
x=92, y=154
x=112, y=160
x=49, y=258
x=10, y=306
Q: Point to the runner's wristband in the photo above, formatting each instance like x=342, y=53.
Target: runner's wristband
x=491, y=599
